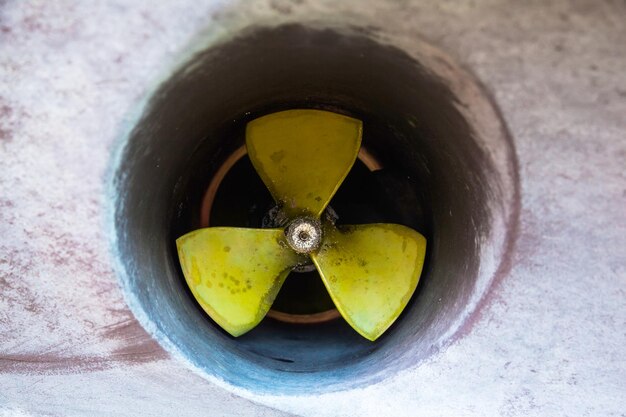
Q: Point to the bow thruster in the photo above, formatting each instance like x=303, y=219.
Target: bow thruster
x=370, y=271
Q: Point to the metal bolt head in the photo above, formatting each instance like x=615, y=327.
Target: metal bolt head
x=304, y=234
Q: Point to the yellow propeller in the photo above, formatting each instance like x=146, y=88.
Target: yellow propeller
x=370, y=271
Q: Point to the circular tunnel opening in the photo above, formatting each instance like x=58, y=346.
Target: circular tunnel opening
x=445, y=168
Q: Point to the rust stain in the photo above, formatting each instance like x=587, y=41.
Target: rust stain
x=96, y=346
x=137, y=347
x=511, y=245
x=6, y=135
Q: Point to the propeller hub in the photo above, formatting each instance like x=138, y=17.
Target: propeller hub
x=304, y=234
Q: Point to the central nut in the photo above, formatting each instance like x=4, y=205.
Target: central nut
x=304, y=234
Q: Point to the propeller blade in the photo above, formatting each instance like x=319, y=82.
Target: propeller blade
x=303, y=156
x=371, y=272
x=235, y=273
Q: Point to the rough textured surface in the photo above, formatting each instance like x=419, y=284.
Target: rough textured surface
x=551, y=340
x=438, y=129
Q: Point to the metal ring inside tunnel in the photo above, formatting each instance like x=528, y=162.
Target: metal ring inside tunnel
x=370, y=161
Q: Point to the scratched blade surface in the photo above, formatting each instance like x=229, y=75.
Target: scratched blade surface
x=303, y=156
x=371, y=272
x=235, y=273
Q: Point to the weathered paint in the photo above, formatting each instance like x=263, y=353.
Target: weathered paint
x=548, y=339
x=303, y=156
x=371, y=272
x=235, y=274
